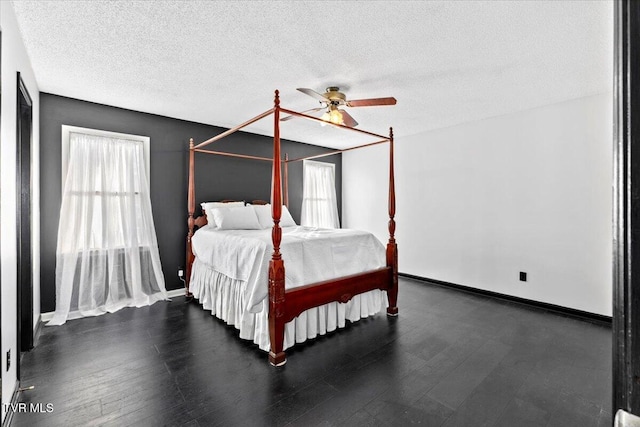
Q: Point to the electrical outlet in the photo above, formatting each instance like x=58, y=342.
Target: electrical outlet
x=180, y=273
x=523, y=276
x=8, y=359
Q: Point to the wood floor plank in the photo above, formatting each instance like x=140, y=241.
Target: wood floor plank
x=451, y=358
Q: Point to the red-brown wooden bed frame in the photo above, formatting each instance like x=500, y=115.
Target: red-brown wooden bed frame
x=286, y=304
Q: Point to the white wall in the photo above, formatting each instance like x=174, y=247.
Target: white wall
x=14, y=59
x=479, y=202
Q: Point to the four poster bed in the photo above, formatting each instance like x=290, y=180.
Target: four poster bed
x=349, y=282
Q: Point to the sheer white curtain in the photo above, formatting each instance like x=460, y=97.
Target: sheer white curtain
x=319, y=201
x=107, y=256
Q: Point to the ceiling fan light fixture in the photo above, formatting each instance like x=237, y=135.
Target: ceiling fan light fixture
x=333, y=115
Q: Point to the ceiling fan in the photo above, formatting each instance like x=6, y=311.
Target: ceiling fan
x=332, y=99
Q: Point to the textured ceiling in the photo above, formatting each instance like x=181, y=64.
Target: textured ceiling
x=218, y=62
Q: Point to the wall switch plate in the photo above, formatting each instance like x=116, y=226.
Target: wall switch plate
x=523, y=276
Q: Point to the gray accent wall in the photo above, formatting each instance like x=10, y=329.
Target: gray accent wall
x=217, y=177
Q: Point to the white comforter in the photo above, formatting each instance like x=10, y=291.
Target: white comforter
x=310, y=255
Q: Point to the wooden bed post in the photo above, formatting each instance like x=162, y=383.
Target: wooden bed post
x=392, y=247
x=286, y=180
x=277, y=356
x=191, y=208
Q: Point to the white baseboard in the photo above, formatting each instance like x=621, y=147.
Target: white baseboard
x=45, y=317
x=8, y=414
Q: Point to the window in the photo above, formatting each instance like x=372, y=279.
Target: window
x=104, y=184
x=67, y=131
x=107, y=255
x=319, y=201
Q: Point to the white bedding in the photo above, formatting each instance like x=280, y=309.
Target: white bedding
x=230, y=276
x=310, y=255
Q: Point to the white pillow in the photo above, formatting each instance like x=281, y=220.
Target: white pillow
x=211, y=205
x=286, y=220
x=266, y=220
x=264, y=215
x=208, y=206
x=236, y=218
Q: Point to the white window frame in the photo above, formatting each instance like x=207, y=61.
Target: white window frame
x=66, y=137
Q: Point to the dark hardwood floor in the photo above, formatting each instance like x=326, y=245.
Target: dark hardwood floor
x=450, y=359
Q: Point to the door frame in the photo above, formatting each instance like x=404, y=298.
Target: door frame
x=626, y=208
x=23, y=220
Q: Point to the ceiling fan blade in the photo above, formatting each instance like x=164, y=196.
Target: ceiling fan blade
x=348, y=120
x=371, y=102
x=313, y=110
x=312, y=93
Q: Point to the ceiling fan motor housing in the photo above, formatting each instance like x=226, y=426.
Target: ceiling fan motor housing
x=334, y=95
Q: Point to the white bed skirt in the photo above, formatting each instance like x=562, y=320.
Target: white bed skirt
x=225, y=297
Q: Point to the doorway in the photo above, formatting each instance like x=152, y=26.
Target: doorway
x=23, y=214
